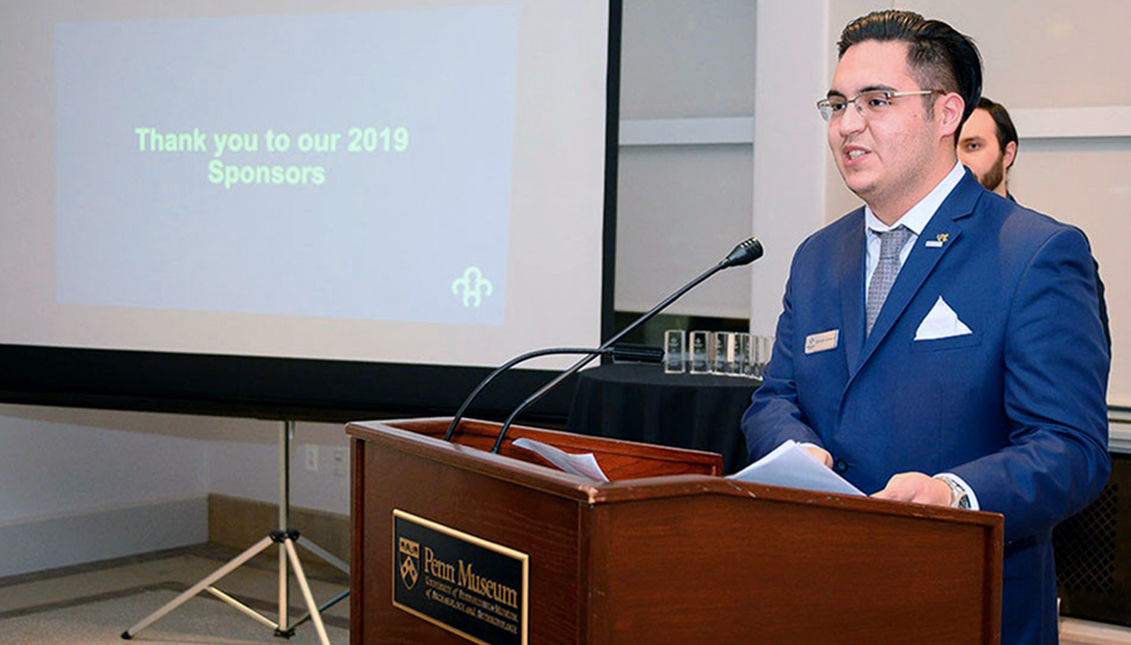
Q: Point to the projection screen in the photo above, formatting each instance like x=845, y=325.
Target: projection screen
x=302, y=208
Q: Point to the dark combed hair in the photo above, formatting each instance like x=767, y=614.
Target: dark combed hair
x=939, y=56
x=1006, y=133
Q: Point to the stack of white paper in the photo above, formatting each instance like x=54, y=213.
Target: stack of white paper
x=792, y=466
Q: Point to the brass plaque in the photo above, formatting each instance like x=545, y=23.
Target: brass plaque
x=462, y=583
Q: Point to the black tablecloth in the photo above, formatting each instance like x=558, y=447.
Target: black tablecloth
x=642, y=403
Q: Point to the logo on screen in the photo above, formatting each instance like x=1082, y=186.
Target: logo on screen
x=473, y=286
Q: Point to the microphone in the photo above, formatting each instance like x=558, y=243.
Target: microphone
x=743, y=254
x=636, y=353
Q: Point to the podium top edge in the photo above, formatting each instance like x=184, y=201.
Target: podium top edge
x=409, y=440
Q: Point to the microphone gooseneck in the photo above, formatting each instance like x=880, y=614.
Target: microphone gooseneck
x=745, y=253
x=638, y=354
x=506, y=366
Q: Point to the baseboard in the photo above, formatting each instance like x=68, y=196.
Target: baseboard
x=101, y=534
x=1074, y=631
x=238, y=523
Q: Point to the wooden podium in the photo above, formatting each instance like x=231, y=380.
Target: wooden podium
x=667, y=552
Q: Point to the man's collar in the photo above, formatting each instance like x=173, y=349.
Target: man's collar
x=916, y=219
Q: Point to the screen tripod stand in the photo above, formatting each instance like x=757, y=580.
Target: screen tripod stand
x=286, y=538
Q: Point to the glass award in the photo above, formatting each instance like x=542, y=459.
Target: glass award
x=763, y=348
x=674, y=362
x=726, y=357
x=745, y=355
x=700, y=353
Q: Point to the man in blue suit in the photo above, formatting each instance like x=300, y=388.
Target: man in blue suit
x=941, y=345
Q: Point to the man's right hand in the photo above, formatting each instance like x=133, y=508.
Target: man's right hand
x=821, y=454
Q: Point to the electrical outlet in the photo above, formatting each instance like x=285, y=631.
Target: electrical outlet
x=310, y=457
x=340, y=464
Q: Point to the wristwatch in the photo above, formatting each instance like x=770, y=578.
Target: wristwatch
x=958, y=496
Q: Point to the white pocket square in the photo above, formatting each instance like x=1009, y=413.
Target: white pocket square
x=941, y=322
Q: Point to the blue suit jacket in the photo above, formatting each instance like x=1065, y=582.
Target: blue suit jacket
x=1016, y=408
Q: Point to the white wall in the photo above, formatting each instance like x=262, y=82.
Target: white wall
x=56, y=463
x=249, y=467
x=83, y=485
x=789, y=144
x=717, y=106
x=681, y=207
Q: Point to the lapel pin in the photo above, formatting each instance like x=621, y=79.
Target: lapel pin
x=939, y=240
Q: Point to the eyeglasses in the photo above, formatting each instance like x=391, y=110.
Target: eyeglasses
x=868, y=104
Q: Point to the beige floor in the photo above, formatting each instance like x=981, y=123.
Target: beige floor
x=255, y=584
x=1082, y=632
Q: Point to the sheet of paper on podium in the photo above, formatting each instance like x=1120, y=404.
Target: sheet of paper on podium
x=582, y=464
x=790, y=465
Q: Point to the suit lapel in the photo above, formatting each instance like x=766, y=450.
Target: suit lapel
x=851, y=269
x=942, y=231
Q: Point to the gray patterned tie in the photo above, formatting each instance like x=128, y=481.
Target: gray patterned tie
x=891, y=243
